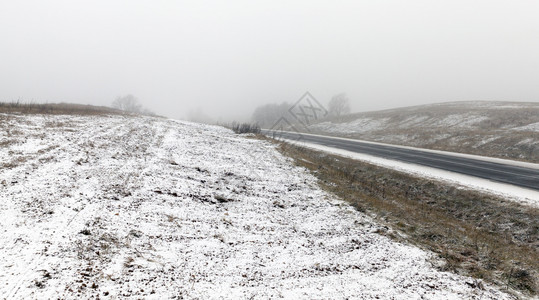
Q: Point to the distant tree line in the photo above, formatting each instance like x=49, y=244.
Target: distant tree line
x=268, y=114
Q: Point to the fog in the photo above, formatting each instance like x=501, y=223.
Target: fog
x=225, y=58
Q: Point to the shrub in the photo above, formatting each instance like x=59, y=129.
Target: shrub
x=245, y=128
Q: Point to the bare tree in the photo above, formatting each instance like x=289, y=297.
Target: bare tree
x=339, y=105
x=266, y=115
x=128, y=103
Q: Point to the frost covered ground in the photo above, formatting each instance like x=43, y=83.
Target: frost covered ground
x=118, y=207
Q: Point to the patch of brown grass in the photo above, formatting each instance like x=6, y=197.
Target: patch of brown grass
x=15, y=162
x=6, y=142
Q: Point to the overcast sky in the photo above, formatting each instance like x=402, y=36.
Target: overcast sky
x=227, y=57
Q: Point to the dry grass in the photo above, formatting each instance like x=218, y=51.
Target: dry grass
x=14, y=162
x=56, y=109
x=6, y=143
x=476, y=234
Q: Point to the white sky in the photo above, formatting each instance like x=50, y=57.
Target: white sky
x=227, y=57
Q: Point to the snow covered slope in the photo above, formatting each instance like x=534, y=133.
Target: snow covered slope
x=118, y=207
x=499, y=129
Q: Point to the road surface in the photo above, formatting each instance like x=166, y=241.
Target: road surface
x=495, y=171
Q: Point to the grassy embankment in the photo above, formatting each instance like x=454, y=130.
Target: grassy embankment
x=476, y=234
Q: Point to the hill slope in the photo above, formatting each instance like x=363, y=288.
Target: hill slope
x=498, y=129
x=151, y=208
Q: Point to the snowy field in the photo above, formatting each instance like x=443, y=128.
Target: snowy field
x=366, y=124
x=120, y=207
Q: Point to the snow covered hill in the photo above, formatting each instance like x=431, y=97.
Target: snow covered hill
x=499, y=129
x=119, y=207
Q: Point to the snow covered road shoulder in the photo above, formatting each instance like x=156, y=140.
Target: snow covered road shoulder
x=510, y=192
x=116, y=207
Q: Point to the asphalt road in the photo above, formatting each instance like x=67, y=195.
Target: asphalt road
x=515, y=175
